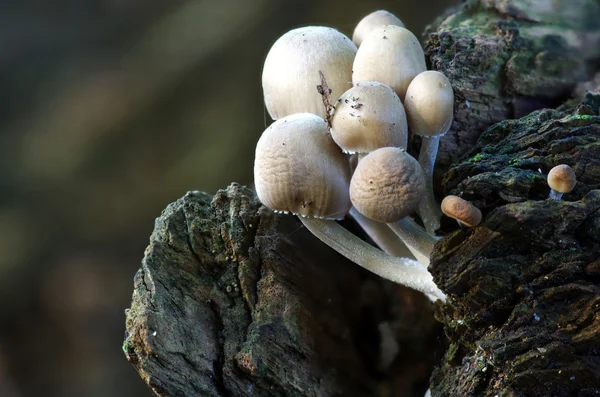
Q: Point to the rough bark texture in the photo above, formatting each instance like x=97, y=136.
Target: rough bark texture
x=234, y=300
x=506, y=58
x=524, y=313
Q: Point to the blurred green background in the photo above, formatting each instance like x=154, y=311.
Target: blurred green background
x=111, y=109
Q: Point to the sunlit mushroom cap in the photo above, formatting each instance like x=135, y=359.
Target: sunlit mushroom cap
x=369, y=116
x=391, y=55
x=298, y=168
x=388, y=184
x=461, y=210
x=291, y=71
x=429, y=104
x=373, y=21
x=562, y=178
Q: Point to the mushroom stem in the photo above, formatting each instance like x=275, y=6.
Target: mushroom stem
x=381, y=234
x=554, y=195
x=428, y=208
x=416, y=239
x=403, y=271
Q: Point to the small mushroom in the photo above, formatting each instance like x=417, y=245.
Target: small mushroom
x=391, y=55
x=369, y=116
x=291, y=71
x=429, y=106
x=373, y=21
x=561, y=179
x=299, y=168
x=460, y=209
x=387, y=186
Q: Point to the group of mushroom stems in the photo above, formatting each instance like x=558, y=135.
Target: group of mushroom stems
x=322, y=159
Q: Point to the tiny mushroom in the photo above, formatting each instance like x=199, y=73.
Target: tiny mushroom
x=561, y=179
x=291, y=71
x=387, y=186
x=374, y=20
x=429, y=106
x=298, y=168
x=460, y=209
x=391, y=55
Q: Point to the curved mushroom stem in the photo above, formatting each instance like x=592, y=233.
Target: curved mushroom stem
x=429, y=210
x=381, y=234
x=554, y=195
x=403, y=271
x=416, y=239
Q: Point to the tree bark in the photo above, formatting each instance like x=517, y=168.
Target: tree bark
x=232, y=299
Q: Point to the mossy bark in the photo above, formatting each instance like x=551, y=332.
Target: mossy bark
x=523, y=318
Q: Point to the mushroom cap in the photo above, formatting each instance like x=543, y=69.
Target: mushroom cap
x=299, y=168
x=391, y=55
x=429, y=104
x=291, y=71
x=372, y=21
x=388, y=184
x=461, y=210
x=369, y=116
x=562, y=178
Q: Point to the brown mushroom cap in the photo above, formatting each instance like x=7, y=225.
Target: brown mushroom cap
x=562, y=178
x=369, y=116
x=387, y=185
x=461, y=210
x=429, y=104
x=373, y=21
x=299, y=168
x=391, y=55
x=291, y=71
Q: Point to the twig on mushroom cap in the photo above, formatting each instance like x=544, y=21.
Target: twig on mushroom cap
x=460, y=209
x=561, y=179
x=387, y=186
x=429, y=106
x=372, y=21
x=299, y=168
x=325, y=92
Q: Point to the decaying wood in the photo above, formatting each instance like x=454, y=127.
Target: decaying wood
x=232, y=299
x=506, y=58
x=524, y=314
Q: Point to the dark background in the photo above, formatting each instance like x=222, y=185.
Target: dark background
x=110, y=110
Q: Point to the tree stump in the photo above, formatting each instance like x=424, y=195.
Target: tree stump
x=232, y=299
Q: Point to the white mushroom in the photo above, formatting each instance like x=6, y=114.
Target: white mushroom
x=429, y=106
x=291, y=71
x=372, y=21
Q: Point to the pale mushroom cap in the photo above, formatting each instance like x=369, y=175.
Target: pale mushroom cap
x=562, y=178
x=369, y=116
x=387, y=185
x=299, y=168
x=391, y=55
x=373, y=21
x=429, y=104
x=291, y=71
x=461, y=210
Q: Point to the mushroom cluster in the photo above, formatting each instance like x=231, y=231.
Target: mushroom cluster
x=331, y=99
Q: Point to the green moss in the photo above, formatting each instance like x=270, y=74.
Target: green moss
x=476, y=158
x=125, y=347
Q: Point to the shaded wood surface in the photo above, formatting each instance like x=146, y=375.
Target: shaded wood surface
x=232, y=299
x=524, y=313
